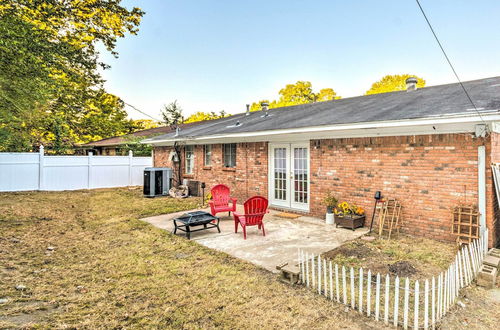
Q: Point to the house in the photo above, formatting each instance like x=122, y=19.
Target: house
x=429, y=148
x=117, y=145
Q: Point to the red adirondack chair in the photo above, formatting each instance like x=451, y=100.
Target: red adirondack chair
x=220, y=200
x=255, y=209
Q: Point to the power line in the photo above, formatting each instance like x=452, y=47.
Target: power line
x=145, y=114
x=448, y=60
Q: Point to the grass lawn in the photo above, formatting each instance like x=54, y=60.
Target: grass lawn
x=86, y=261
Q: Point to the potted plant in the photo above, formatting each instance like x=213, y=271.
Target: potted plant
x=330, y=202
x=349, y=215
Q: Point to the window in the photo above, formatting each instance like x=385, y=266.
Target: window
x=189, y=154
x=229, y=151
x=207, y=152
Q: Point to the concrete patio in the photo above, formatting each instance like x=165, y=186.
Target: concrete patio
x=283, y=237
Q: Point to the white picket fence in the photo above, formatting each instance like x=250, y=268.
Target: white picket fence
x=400, y=302
x=23, y=171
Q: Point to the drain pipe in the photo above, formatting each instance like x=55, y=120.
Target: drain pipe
x=481, y=174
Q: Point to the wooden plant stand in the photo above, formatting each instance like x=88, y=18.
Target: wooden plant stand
x=351, y=222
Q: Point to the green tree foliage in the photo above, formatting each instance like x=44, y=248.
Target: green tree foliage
x=201, y=116
x=172, y=114
x=299, y=93
x=393, y=83
x=50, y=88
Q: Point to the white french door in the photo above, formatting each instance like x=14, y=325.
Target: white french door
x=289, y=175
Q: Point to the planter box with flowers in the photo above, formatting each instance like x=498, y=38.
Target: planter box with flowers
x=349, y=215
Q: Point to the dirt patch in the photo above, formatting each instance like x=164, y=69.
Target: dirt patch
x=404, y=256
x=354, y=250
x=402, y=268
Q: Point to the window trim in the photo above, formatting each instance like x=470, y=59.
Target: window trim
x=231, y=154
x=191, y=159
x=209, y=154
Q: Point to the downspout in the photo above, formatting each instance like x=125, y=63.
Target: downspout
x=481, y=168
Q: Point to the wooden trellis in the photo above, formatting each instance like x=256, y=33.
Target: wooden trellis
x=389, y=217
x=465, y=223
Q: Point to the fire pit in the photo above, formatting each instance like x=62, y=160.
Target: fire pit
x=194, y=219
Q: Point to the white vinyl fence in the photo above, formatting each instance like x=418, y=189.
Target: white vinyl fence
x=22, y=171
x=396, y=301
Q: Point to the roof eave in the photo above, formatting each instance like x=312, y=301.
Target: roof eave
x=449, y=124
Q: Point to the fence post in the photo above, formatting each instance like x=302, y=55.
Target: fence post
x=331, y=281
x=307, y=268
x=369, y=292
x=89, y=183
x=361, y=290
x=319, y=274
x=41, y=156
x=396, y=301
x=353, y=291
x=377, y=298
x=344, y=286
x=386, y=303
x=433, y=303
x=130, y=163
x=415, y=311
x=337, y=291
x=426, y=304
x=325, y=282
x=406, y=302
x=313, y=272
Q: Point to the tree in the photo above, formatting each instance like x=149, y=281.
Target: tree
x=142, y=124
x=299, y=93
x=172, y=114
x=49, y=78
x=326, y=94
x=393, y=83
x=201, y=116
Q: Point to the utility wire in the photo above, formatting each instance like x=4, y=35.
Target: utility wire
x=448, y=60
x=145, y=114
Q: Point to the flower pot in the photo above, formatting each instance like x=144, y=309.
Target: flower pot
x=329, y=209
x=330, y=219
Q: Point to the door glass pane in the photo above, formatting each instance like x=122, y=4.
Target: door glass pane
x=280, y=173
x=300, y=175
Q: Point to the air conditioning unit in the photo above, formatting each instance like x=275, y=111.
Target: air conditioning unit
x=157, y=181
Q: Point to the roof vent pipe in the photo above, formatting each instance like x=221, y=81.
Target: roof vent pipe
x=248, y=110
x=265, y=108
x=411, y=84
x=177, y=129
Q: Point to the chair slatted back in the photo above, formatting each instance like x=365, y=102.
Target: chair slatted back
x=220, y=195
x=255, y=209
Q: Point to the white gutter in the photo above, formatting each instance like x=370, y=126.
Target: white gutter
x=452, y=119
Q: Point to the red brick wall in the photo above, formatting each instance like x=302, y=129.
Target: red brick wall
x=428, y=174
x=247, y=179
x=493, y=207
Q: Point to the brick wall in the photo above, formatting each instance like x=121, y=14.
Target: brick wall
x=428, y=174
x=494, y=206
x=247, y=179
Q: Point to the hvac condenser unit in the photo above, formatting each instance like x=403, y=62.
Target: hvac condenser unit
x=157, y=181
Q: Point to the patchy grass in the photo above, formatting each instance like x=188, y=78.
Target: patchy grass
x=417, y=258
x=107, y=269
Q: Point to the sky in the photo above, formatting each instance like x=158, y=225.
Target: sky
x=213, y=55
